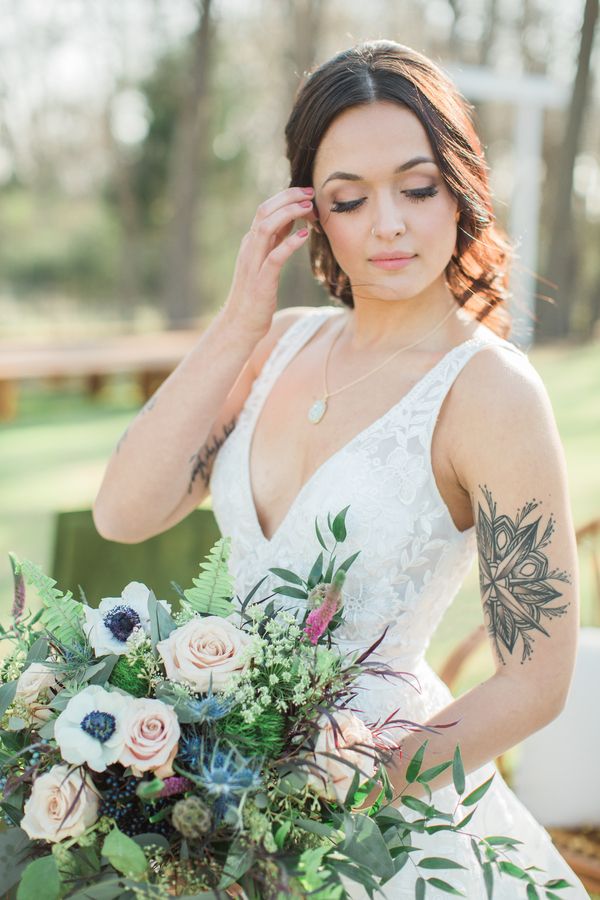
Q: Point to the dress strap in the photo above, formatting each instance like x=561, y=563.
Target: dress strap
x=290, y=343
x=430, y=402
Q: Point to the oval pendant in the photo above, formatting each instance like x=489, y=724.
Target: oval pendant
x=317, y=411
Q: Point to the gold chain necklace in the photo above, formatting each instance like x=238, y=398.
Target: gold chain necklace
x=319, y=407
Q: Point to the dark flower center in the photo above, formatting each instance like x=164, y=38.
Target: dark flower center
x=99, y=725
x=121, y=621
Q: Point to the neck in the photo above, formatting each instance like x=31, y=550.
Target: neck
x=379, y=325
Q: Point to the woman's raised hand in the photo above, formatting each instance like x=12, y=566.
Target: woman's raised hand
x=252, y=298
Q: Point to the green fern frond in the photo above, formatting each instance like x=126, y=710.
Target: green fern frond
x=213, y=589
x=62, y=614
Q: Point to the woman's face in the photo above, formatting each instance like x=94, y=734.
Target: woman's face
x=411, y=211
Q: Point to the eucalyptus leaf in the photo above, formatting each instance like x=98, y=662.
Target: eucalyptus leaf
x=151, y=839
x=314, y=827
x=414, y=766
x=100, y=672
x=420, y=887
x=478, y=793
x=458, y=772
x=42, y=871
x=316, y=573
x=287, y=575
x=364, y=844
x=155, y=635
x=124, y=854
x=338, y=527
x=433, y=772
x=488, y=877
x=320, y=536
x=38, y=651
x=511, y=869
x=15, y=847
x=290, y=592
x=348, y=562
x=46, y=731
x=444, y=886
x=439, y=862
x=7, y=695
x=239, y=859
x=327, y=577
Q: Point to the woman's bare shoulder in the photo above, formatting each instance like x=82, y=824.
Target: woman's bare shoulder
x=500, y=393
x=283, y=319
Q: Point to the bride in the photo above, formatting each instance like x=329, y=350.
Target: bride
x=404, y=400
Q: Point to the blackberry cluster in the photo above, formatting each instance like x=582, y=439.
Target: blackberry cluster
x=121, y=803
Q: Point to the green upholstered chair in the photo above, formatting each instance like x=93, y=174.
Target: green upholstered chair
x=103, y=568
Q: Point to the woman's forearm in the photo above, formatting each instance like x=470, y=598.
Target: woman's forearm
x=491, y=718
x=166, y=451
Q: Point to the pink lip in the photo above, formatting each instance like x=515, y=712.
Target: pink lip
x=398, y=263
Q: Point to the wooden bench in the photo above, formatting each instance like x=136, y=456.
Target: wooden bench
x=150, y=357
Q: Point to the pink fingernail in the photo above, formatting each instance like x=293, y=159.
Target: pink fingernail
x=302, y=233
x=308, y=190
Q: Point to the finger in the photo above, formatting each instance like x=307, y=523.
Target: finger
x=279, y=201
x=271, y=268
x=273, y=229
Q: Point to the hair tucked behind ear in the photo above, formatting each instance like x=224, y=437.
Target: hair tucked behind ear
x=477, y=273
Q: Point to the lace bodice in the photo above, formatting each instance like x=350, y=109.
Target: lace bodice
x=413, y=558
x=412, y=562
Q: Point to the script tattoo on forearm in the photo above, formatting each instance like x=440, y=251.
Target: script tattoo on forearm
x=202, y=461
x=515, y=578
x=146, y=408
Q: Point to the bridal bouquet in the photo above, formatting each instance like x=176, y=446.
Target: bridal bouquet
x=208, y=751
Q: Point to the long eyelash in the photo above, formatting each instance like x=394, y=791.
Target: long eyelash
x=415, y=196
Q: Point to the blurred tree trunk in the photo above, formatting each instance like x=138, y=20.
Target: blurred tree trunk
x=561, y=262
x=129, y=289
x=305, y=18
x=188, y=161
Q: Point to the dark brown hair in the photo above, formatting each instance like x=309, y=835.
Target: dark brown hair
x=477, y=273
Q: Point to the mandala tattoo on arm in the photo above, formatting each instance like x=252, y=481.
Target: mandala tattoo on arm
x=202, y=461
x=514, y=577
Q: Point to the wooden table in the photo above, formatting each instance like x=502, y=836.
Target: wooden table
x=150, y=357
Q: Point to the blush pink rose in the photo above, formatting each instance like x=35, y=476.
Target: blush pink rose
x=151, y=732
x=334, y=782
x=205, y=646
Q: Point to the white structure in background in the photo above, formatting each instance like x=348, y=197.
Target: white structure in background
x=530, y=96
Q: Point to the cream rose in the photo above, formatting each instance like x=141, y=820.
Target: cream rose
x=52, y=796
x=205, y=646
x=151, y=731
x=35, y=679
x=335, y=781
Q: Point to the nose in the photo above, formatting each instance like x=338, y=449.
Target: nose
x=389, y=220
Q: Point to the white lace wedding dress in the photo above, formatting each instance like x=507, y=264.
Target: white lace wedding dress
x=413, y=560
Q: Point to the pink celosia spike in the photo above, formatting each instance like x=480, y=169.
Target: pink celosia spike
x=318, y=619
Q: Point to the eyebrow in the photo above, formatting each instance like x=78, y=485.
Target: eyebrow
x=348, y=176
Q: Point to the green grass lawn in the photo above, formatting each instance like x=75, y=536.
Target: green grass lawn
x=53, y=456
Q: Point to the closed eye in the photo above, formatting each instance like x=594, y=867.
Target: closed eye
x=414, y=196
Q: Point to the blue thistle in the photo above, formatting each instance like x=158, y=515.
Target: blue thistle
x=212, y=708
x=226, y=773
x=222, y=771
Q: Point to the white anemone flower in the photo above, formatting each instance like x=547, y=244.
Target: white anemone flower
x=110, y=626
x=90, y=728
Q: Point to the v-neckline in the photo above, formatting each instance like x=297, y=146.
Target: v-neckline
x=320, y=321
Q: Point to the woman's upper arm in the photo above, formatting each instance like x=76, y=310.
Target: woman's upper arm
x=225, y=422
x=511, y=461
